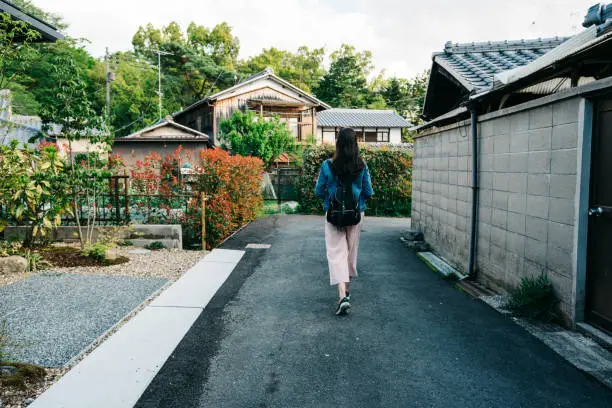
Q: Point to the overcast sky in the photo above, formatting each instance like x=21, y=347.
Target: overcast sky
x=401, y=34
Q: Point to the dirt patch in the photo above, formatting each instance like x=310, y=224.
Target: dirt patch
x=20, y=388
x=66, y=256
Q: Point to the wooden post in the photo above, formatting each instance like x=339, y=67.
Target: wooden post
x=203, y=206
x=117, y=208
x=278, y=184
x=127, y=200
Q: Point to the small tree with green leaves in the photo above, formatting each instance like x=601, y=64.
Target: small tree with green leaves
x=32, y=188
x=72, y=109
x=248, y=134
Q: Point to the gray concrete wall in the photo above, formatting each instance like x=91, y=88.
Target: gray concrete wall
x=528, y=166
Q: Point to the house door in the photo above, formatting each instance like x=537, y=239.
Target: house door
x=599, y=269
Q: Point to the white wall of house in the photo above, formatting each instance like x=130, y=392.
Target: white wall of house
x=395, y=135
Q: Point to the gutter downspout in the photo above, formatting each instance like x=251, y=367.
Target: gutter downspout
x=473, y=232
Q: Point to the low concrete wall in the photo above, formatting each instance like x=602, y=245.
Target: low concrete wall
x=139, y=234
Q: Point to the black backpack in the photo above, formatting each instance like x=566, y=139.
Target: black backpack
x=343, y=207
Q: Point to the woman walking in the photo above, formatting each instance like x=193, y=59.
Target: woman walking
x=344, y=184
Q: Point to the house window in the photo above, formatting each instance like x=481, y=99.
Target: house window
x=382, y=135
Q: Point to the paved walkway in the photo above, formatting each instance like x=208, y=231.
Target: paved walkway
x=269, y=339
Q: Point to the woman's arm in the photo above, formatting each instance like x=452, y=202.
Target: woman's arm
x=366, y=187
x=321, y=187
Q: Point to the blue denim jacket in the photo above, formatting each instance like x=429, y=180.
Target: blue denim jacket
x=326, y=186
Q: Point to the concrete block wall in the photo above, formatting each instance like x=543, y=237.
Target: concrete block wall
x=526, y=215
x=441, y=192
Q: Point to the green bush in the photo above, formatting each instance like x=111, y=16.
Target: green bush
x=534, y=299
x=96, y=251
x=390, y=169
x=155, y=245
x=126, y=243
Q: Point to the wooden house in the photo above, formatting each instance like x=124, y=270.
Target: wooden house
x=162, y=138
x=264, y=93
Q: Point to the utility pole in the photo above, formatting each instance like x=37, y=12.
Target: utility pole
x=159, y=90
x=108, y=81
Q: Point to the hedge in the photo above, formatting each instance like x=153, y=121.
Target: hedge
x=390, y=169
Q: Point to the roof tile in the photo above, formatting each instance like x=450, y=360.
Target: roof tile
x=360, y=118
x=476, y=63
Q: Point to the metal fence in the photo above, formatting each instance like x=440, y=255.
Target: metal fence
x=286, y=183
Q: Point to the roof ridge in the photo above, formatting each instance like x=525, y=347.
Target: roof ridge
x=506, y=45
x=358, y=109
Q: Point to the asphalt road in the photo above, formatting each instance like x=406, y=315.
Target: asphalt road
x=269, y=337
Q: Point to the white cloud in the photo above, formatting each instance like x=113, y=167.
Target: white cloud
x=401, y=34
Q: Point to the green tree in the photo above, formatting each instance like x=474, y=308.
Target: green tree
x=200, y=62
x=134, y=101
x=16, y=52
x=345, y=85
x=32, y=188
x=248, y=134
x=71, y=108
x=406, y=96
x=303, y=69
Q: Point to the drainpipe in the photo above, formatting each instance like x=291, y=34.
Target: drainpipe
x=472, y=253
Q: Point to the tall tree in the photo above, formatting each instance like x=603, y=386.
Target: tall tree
x=346, y=83
x=406, y=96
x=202, y=59
x=303, y=69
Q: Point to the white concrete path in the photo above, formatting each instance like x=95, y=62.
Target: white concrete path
x=117, y=372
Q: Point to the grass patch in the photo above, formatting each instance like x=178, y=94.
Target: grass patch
x=534, y=299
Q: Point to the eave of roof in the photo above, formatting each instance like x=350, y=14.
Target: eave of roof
x=136, y=135
x=161, y=139
x=47, y=31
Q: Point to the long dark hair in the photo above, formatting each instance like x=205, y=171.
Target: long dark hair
x=347, y=160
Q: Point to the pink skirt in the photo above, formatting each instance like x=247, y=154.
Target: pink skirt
x=342, y=244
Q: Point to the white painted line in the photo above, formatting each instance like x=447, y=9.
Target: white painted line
x=120, y=369
x=196, y=287
x=224, y=255
x=117, y=372
x=258, y=246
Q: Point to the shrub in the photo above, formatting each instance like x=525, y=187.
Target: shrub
x=534, y=299
x=126, y=243
x=390, y=169
x=155, y=246
x=233, y=186
x=96, y=251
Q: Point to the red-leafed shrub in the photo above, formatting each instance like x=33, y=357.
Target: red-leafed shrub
x=231, y=183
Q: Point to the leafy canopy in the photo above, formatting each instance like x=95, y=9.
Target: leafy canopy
x=248, y=134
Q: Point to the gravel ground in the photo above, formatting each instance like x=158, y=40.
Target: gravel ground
x=52, y=317
x=166, y=263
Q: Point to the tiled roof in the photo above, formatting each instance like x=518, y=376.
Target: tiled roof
x=474, y=64
x=360, y=118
